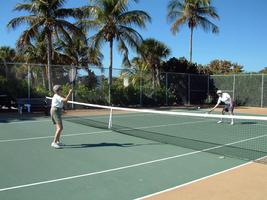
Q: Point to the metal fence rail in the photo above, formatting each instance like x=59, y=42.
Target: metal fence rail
x=133, y=87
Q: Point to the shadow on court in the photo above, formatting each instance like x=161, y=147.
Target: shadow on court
x=228, y=146
x=245, y=123
x=105, y=144
x=15, y=116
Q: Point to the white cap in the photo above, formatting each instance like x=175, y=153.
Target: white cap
x=219, y=92
x=56, y=88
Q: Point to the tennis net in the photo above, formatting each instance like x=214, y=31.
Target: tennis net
x=246, y=139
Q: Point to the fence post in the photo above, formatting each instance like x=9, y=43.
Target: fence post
x=166, y=88
x=262, y=89
x=140, y=89
x=29, y=82
x=188, y=90
x=208, y=88
x=234, y=88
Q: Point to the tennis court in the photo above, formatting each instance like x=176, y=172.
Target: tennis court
x=100, y=163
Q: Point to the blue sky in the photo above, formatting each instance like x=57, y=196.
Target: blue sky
x=242, y=38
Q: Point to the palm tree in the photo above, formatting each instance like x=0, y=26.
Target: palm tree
x=46, y=18
x=151, y=53
x=114, y=22
x=78, y=52
x=7, y=54
x=194, y=13
x=35, y=52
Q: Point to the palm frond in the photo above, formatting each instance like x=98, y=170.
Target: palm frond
x=69, y=12
x=23, y=7
x=15, y=22
x=135, y=17
x=71, y=28
x=26, y=37
x=55, y=4
x=122, y=47
x=98, y=39
x=130, y=35
x=207, y=25
x=179, y=22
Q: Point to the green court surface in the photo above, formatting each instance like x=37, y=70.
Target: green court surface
x=99, y=163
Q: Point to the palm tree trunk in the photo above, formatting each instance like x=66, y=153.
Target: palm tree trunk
x=110, y=70
x=49, y=52
x=44, y=76
x=6, y=69
x=153, y=77
x=157, y=74
x=191, y=42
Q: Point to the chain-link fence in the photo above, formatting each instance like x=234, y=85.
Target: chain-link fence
x=246, y=89
x=131, y=87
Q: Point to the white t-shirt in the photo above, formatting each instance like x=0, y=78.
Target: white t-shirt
x=225, y=98
x=57, y=101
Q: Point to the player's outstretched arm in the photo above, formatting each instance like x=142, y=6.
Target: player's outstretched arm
x=214, y=108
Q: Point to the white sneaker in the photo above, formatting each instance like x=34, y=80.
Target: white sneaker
x=55, y=145
x=220, y=121
x=60, y=144
x=232, y=123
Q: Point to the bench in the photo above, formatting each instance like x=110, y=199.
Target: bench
x=6, y=102
x=33, y=105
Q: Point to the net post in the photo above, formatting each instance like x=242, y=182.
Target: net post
x=110, y=119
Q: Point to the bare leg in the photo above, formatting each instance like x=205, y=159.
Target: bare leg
x=232, y=119
x=232, y=112
x=220, y=121
x=59, y=129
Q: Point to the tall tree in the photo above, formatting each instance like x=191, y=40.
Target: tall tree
x=224, y=67
x=263, y=71
x=47, y=18
x=79, y=53
x=151, y=53
x=194, y=13
x=7, y=54
x=35, y=52
x=114, y=22
x=181, y=65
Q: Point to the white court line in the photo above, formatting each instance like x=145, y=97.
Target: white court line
x=145, y=127
x=95, y=173
x=26, y=121
x=45, y=137
x=66, y=117
x=198, y=180
x=164, y=125
x=194, y=181
x=122, y=168
x=79, y=134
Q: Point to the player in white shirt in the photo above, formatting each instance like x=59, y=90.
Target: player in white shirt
x=228, y=104
x=56, y=112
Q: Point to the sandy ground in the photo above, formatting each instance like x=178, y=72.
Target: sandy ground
x=248, y=182
x=245, y=183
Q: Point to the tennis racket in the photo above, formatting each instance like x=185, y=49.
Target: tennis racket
x=72, y=78
x=72, y=75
